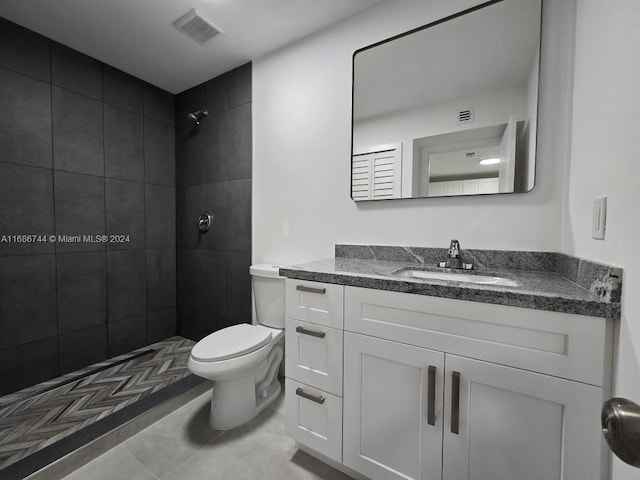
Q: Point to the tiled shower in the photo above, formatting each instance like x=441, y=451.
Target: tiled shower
x=86, y=149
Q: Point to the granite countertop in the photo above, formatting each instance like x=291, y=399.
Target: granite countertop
x=541, y=288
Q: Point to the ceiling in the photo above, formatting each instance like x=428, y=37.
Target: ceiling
x=137, y=36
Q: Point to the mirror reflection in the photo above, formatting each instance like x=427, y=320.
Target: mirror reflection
x=451, y=108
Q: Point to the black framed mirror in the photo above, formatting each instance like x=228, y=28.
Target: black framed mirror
x=450, y=108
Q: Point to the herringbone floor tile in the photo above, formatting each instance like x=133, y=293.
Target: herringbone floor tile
x=45, y=413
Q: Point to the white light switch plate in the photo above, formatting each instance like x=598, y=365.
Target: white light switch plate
x=599, y=220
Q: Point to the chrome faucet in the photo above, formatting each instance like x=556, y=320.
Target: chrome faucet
x=453, y=257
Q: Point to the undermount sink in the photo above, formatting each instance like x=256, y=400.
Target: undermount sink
x=456, y=277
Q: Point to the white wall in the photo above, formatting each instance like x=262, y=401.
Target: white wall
x=302, y=128
x=605, y=161
x=404, y=126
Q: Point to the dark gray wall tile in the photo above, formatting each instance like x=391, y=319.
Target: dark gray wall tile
x=238, y=161
x=189, y=279
x=79, y=209
x=23, y=365
x=77, y=133
x=239, y=86
x=24, y=51
x=161, y=325
x=125, y=213
x=25, y=121
x=216, y=154
x=238, y=209
x=159, y=104
x=160, y=204
x=27, y=299
x=214, y=287
x=126, y=335
x=26, y=196
x=161, y=278
x=216, y=204
x=82, y=290
x=159, y=153
x=82, y=348
x=123, y=144
x=192, y=324
x=76, y=71
x=189, y=205
x=216, y=95
x=126, y=288
x=191, y=149
x=238, y=288
x=122, y=89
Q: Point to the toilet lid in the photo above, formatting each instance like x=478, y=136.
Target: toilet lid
x=231, y=342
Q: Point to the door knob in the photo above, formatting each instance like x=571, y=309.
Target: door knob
x=621, y=427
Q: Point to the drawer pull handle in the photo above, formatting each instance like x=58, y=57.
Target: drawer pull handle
x=431, y=396
x=312, y=333
x=301, y=393
x=302, y=288
x=455, y=402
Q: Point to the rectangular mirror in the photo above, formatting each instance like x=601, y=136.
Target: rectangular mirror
x=449, y=108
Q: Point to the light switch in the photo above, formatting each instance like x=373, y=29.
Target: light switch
x=599, y=221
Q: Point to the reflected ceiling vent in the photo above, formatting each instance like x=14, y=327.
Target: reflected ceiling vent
x=196, y=27
x=465, y=115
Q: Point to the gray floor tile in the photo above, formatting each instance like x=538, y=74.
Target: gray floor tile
x=117, y=463
x=175, y=439
x=182, y=446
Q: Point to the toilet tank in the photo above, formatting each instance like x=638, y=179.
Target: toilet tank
x=268, y=291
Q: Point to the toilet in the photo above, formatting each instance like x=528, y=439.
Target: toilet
x=243, y=360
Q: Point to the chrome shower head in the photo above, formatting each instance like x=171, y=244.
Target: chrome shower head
x=197, y=116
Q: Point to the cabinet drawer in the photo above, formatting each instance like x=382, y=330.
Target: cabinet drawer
x=561, y=344
x=314, y=418
x=314, y=355
x=315, y=302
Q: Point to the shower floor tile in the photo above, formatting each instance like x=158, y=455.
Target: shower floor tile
x=40, y=416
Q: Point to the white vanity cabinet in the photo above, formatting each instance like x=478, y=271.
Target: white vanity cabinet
x=313, y=365
x=493, y=416
x=436, y=388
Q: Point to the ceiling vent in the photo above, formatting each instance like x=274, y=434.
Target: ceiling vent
x=465, y=115
x=196, y=27
x=469, y=154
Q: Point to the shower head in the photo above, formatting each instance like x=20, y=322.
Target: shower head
x=197, y=116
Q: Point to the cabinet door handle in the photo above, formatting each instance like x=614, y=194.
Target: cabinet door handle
x=302, y=288
x=301, y=393
x=431, y=396
x=455, y=402
x=312, y=333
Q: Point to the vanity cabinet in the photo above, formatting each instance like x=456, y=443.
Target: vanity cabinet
x=436, y=388
x=439, y=388
x=313, y=365
x=494, y=422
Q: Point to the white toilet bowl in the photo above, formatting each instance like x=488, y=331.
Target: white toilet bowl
x=243, y=360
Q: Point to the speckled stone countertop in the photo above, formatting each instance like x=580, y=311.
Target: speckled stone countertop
x=546, y=280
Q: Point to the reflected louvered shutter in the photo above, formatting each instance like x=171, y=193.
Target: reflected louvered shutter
x=376, y=175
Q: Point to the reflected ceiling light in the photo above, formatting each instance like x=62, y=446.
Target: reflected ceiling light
x=489, y=161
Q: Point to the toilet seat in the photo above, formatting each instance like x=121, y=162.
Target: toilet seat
x=231, y=342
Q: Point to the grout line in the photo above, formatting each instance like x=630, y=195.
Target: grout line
x=138, y=461
x=4, y=162
x=53, y=186
x=104, y=174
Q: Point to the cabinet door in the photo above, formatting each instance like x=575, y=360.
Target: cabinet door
x=516, y=424
x=387, y=396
